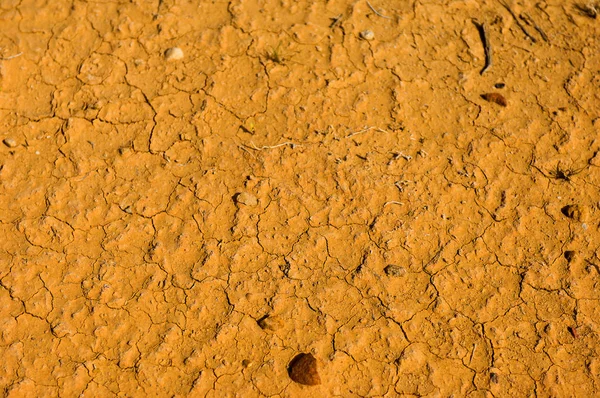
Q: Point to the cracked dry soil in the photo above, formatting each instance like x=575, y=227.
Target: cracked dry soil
x=187, y=227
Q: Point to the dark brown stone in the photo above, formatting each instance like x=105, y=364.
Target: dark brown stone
x=303, y=370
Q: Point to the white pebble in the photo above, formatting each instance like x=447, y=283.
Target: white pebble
x=10, y=142
x=174, y=54
x=367, y=35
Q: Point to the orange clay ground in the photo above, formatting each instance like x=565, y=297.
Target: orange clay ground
x=334, y=179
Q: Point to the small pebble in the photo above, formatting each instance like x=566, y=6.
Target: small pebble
x=174, y=54
x=499, y=85
x=246, y=198
x=10, y=142
x=303, y=370
x=495, y=98
x=394, y=270
x=367, y=35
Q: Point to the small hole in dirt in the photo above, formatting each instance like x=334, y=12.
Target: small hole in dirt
x=569, y=255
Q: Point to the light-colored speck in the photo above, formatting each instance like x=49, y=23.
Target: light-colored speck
x=174, y=54
x=367, y=35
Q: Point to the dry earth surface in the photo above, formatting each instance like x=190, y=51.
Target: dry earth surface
x=319, y=177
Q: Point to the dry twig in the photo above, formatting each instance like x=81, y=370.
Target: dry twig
x=393, y=202
x=365, y=130
x=253, y=146
x=487, y=48
x=519, y=24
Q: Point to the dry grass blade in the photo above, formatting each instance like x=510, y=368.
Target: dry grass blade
x=377, y=12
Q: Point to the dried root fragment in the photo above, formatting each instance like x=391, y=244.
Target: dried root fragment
x=495, y=97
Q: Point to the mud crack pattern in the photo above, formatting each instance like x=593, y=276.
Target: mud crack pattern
x=187, y=226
